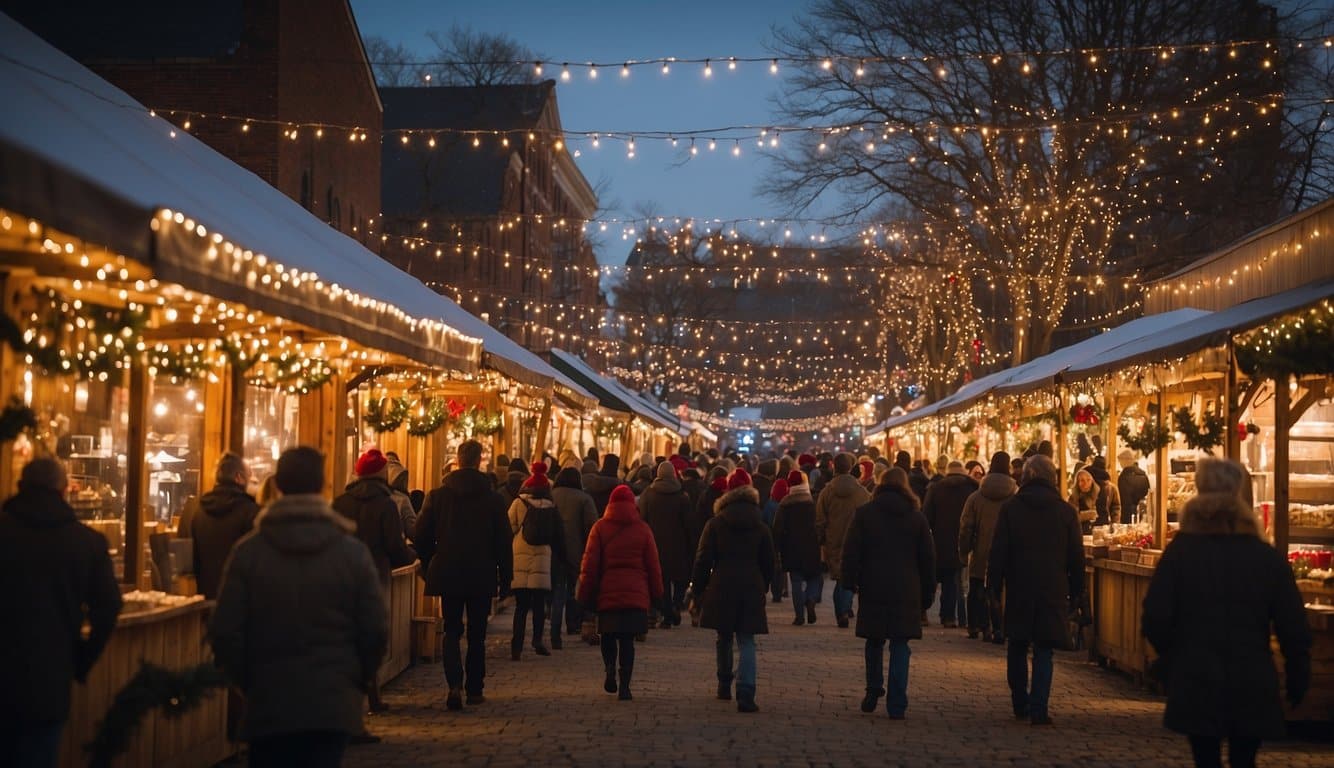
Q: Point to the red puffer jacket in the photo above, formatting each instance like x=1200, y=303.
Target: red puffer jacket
x=620, y=567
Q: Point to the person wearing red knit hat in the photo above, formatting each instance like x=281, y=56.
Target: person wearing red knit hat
x=734, y=567
x=798, y=547
x=539, y=536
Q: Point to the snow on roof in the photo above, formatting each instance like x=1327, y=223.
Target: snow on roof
x=617, y=395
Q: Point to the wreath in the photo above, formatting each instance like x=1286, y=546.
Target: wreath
x=1152, y=437
x=1201, y=438
x=428, y=419
x=386, y=414
x=16, y=419
x=154, y=687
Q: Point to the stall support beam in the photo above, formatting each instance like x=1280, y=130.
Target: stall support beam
x=1161, y=465
x=136, y=474
x=1232, y=411
x=543, y=427
x=235, y=409
x=1282, y=424
x=1062, y=410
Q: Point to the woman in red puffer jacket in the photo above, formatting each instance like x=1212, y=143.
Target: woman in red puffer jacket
x=620, y=578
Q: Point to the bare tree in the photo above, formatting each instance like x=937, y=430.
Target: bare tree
x=393, y=64
x=1035, y=167
x=467, y=57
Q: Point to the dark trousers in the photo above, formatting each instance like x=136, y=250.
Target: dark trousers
x=1030, y=700
x=312, y=749
x=984, y=613
x=27, y=744
x=1240, y=751
x=620, y=644
x=564, y=608
x=478, y=608
x=526, y=600
x=899, y=654
x=673, y=601
x=948, y=579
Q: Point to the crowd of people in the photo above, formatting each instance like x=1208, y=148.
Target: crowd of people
x=608, y=554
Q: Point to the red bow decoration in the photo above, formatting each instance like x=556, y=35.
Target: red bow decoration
x=456, y=408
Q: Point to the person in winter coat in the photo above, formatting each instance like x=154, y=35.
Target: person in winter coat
x=463, y=536
x=539, y=540
x=577, y=516
x=225, y=514
x=1085, y=499
x=919, y=477
x=943, y=509
x=692, y=482
x=301, y=622
x=977, y=527
x=600, y=484
x=733, y=569
x=55, y=574
x=665, y=506
x=1109, y=498
x=768, y=512
x=514, y=478
x=1132, y=485
x=834, y=507
x=798, y=547
x=1037, y=560
x=1216, y=594
x=620, y=578
x=889, y=561
x=766, y=472
x=867, y=477
x=397, y=475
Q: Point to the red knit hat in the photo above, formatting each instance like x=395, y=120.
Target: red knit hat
x=795, y=478
x=779, y=490
x=679, y=463
x=622, y=494
x=538, y=478
x=868, y=470
x=371, y=462
x=719, y=485
x=739, y=478
x=805, y=459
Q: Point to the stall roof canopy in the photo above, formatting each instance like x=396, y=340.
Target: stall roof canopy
x=1210, y=330
x=80, y=155
x=612, y=394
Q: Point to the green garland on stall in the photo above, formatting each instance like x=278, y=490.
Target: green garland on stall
x=483, y=422
x=1205, y=438
x=1295, y=345
x=190, y=363
x=174, y=693
x=298, y=375
x=65, y=340
x=607, y=428
x=16, y=419
x=386, y=414
x=1146, y=441
x=428, y=419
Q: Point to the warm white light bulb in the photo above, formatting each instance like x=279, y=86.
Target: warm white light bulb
x=625, y=70
x=708, y=68
x=537, y=68
x=565, y=73
x=731, y=63
x=773, y=67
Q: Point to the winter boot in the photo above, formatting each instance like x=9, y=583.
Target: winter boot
x=745, y=700
x=725, y=690
x=624, y=692
x=609, y=685
x=810, y=611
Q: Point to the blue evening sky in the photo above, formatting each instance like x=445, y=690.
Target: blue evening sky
x=711, y=185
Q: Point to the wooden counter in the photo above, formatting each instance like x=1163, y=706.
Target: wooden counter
x=170, y=637
x=1119, y=590
x=402, y=591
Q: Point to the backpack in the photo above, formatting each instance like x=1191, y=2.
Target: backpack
x=534, y=533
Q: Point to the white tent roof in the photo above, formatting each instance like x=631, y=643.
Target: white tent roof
x=622, y=399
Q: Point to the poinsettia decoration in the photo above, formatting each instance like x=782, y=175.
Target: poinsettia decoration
x=1245, y=430
x=1087, y=415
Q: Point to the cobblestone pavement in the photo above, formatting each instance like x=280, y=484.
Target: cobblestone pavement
x=552, y=711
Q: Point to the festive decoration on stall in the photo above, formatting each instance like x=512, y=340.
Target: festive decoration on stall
x=1086, y=415
x=297, y=375
x=386, y=414
x=427, y=418
x=1201, y=438
x=1246, y=430
x=1297, y=345
x=607, y=429
x=16, y=419
x=173, y=693
x=71, y=336
x=1149, y=439
x=480, y=422
x=189, y=363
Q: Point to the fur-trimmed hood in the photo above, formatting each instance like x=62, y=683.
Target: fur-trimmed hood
x=1219, y=514
x=745, y=493
x=797, y=495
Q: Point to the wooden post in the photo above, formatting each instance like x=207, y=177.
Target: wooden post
x=217, y=439
x=1062, y=410
x=136, y=474
x=1231, y=407
x=1160, y=471
x=543, y=426
x=1111, y=418
x=235, y=418
x=1282, y=425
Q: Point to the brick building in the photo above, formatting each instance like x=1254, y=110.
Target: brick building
x=482, y=201
x=242, y=74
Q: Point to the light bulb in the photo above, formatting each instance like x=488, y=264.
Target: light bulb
x=565, y=73
x=625, y=69
x=537, y=68
x=592, y=72
x=731, y=63
x=773, y=67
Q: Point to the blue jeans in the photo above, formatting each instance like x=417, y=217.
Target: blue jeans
x=842, y=601
x=805, y=590
x=745, y=669
x=30, y=744
x=899, y=654
x=1032, y=701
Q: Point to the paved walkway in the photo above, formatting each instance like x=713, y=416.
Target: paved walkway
x=552, y=711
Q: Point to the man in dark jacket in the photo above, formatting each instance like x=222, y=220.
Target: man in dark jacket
x=919, y=478
x=765, y=474
x=1037, y=558
x=601, y=484
x=733, y=569
x=301, y=622
x=889, y=561
x=55, y=574
x=1132, y=486
x=942, y=508
x=464, y=538
x=665, y=506
x=225, y=514
x=369, y=503
x=797, y=545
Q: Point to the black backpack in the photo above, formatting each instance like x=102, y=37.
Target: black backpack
x=531, y=528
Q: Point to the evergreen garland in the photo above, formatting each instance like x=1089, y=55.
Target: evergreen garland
x=386, y=414
x=1296, y=345
x=607, y=428
x=1152, y=437
x=1204, y=438
x=483, y=422
x=189, y=363
x=16, y=419
x=299, y=375
x=66, y=337
x=154, y=687
x=429, y=418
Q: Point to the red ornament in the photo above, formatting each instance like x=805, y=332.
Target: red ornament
x=456, y=408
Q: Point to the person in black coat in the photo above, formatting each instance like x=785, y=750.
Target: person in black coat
x=1214, y=597
x=733, y=569
x=225, y=514
x=942, y=507
x=464, y=539
x=599, y=485
x=1037, y=559
x=889, y=562
x=55, y=574
x=919, y=478
x=798, y=547
x=1132, y=486
x=666, y=508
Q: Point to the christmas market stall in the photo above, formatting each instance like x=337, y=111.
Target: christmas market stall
x=634, y=425
x=161, y=306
